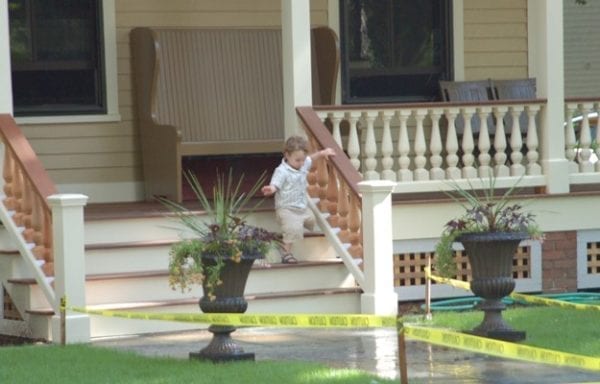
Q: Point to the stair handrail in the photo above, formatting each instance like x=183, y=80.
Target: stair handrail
x=335, y=184
x=25, y=211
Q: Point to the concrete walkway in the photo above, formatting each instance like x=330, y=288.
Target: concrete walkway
x=372, y=350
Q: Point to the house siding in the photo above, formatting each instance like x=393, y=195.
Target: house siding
x=582, y=56
x=108, y=152
x=495, y=39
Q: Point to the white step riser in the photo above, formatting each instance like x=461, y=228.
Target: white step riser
x=121, y=260
x=156, y=288
x=156, y=258
x=259, y=282
x=152, y=228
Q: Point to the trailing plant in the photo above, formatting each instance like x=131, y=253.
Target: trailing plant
x=484, y=211
x=223, y=236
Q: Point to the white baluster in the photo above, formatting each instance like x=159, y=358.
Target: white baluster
x=585, y=140
x=570, y=140
x=371, y=148
x=533, y=165
x=404, y=172
x=484, y=144
x=500, y=143
x=452, y=172
x=387, y=147
x=420, y=147
x=516, y=142
x=436, y=172
x=597, y=109
x=353, y=143
x=468, y=171
x=336, y=119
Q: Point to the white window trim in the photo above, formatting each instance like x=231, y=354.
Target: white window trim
x=458, y=39
x=5, y=82
x=110, y=65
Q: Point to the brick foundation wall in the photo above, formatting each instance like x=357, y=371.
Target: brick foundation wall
x=559, y=262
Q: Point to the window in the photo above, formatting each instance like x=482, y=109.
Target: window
x=57, y=57
x=394, y=50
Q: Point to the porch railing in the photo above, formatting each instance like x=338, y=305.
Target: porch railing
x=28, y=215
x=334, y=186
x=421, y=147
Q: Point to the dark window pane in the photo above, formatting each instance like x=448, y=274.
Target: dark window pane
x=394, y=50
x=56, y=57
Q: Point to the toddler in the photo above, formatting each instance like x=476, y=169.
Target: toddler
x=289, y=186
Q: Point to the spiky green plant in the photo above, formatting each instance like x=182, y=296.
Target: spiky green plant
x=222, y=234
x=484, y=211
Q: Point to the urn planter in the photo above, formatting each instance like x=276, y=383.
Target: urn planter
x=490, y=255
x=228, y=298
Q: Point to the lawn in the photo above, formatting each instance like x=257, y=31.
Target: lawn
x=83, y=364
x=567, y=330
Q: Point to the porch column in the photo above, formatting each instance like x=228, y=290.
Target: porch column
x=547, y=66
x=379, y=295
x=69, y=264
x=297, y=82
x=5, y=78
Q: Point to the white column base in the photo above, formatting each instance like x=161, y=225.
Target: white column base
x=557, y=175
x=77, y=329
x=382, y=304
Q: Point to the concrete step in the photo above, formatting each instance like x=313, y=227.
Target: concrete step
x=338, y=300
x=154, y=285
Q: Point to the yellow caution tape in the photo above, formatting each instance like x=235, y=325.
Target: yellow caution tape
x=263, y=319
x=431, y=335
x=453, y=282
x=553, y=302
x=517, y=296
x=500, y=348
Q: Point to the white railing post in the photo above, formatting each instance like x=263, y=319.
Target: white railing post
x=379, y=295
x=69, y=265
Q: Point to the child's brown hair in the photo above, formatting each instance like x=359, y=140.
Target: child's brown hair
x=295, y=143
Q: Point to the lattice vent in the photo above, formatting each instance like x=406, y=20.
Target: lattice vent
x=10, y=311
x=409, y=268
x=593, y=258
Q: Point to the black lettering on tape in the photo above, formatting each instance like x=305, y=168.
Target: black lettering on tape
x=317, y=321
x=338, y=321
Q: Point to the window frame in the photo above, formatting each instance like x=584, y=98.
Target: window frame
x=108, y=20
x=453, y=12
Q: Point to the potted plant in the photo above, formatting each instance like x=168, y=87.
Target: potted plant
x=490, y=229
x=217, y=252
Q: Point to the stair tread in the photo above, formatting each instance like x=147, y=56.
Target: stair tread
x=164, y=272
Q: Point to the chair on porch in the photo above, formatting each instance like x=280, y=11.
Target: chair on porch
x=468, y=91
x=515, y=89
x=479, y=90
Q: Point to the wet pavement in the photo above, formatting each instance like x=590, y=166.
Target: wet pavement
x=372, y=350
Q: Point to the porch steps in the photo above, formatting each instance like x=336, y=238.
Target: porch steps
x=126, y=268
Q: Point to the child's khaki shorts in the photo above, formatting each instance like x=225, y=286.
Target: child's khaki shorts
x=293, y=221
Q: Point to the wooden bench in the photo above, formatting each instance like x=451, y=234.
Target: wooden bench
x=214, y=91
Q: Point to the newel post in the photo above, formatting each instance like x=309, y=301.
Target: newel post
x=69, y=265
x=379, y=295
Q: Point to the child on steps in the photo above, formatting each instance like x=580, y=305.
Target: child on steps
x=289, y=184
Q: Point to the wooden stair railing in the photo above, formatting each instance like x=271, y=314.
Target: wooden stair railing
x=25, y=211
x=333, y=184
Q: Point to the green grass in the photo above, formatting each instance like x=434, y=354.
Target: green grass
x=82, y=364
x=567, y=330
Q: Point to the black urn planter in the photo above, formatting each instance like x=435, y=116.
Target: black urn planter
x=490, y=255
x=229, y=298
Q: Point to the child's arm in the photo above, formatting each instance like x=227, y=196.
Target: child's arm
x=322, y=153
x=269, y=190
